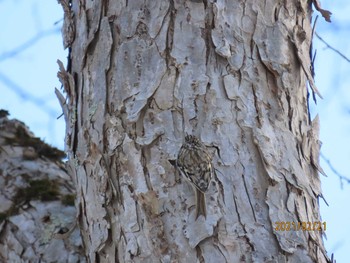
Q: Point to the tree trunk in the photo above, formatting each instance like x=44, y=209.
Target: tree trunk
x=37, y=215
x=142, y=75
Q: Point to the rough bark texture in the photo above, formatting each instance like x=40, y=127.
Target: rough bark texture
x=37, y=214
x=142, y=74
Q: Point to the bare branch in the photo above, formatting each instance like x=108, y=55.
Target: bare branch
x=22, y=93
x=30, y=42
x=332, y=48
x=341, y=177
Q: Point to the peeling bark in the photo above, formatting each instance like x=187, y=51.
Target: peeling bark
x=233, y=73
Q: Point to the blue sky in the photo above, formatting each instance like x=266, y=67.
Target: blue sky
x=332, y=78
x=28, y=79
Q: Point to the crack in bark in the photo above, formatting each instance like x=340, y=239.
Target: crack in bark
x=170, y=35
x=290, y=111
x=109, y=72
x=207, y=31
x=257, y=107
x=249, y=200
x=145, y=170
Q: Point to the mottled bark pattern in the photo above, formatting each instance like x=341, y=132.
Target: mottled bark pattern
x=233, y=73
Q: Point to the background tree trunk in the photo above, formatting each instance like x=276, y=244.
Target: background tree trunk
x=142, y=74
x=37, y=214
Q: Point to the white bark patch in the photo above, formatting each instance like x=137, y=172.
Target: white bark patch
x=231, y=85
x=226, y=35
x=163, y=97
x=94, y=196
x=288, y=240
x=135, y=175
x=139, y=70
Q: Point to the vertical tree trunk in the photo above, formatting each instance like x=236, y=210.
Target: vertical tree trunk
x=142, y=74
x=37, y=215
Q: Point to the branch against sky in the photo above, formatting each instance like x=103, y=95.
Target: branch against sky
x=332, y=48
x=27, y=96
x=29, y=43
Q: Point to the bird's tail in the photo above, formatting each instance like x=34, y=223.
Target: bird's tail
x=200, y=204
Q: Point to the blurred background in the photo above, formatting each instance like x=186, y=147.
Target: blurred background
x=31, y=43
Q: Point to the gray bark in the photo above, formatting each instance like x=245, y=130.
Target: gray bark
x=233, y=73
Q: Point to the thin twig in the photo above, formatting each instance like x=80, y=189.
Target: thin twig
x=27, y=96
x=341, y=177
x=332, y=48
x=29, y=43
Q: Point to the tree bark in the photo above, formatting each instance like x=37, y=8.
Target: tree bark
x=142, y=74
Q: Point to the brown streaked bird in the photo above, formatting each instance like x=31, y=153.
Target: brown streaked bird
x=195, y=164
